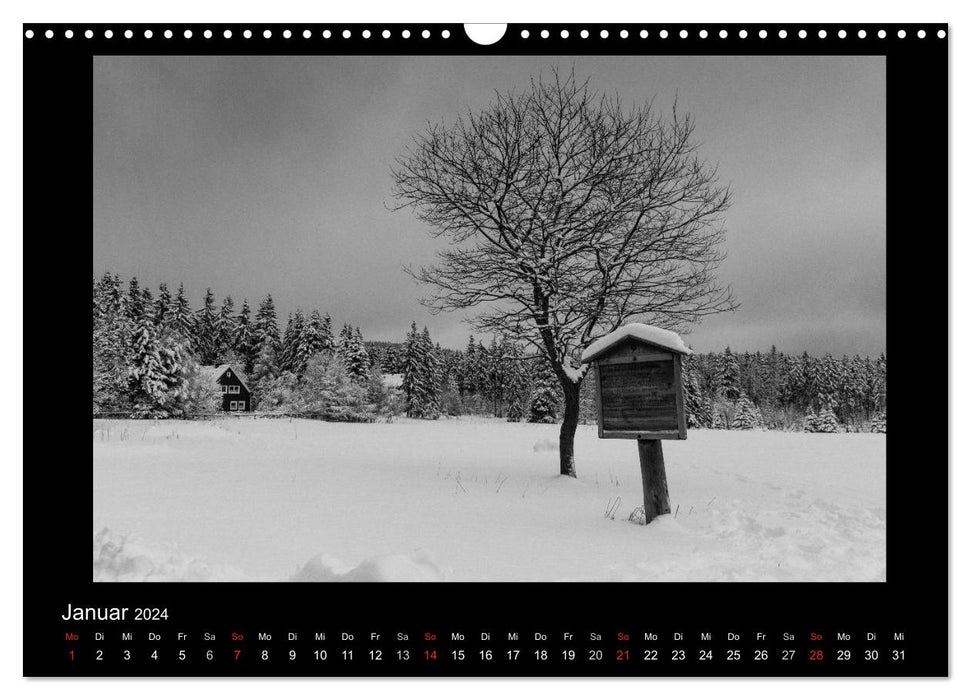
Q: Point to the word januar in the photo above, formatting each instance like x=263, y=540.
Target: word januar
x=111, y=614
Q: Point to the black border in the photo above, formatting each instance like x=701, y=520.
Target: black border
x=57, y=481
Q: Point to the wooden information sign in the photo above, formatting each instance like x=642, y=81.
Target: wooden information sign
x=640, y=397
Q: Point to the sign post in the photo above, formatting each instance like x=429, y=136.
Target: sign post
x=638, y=371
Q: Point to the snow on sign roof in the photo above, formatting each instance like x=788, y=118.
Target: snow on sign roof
x=669, y=340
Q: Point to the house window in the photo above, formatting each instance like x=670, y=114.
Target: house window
x=232, y=405
x=224, y=388
x=242, y=405
x=234, y=389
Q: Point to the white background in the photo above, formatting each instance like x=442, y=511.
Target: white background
x=11, y=346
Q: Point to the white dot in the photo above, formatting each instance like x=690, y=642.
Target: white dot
x=624, y=34
x=425, y=34
x=49, y=33
x=684, y=33
x=228, y=34
x=664, y=33
x=822, y=33
x=723, y=34
x=207, y=34
x=446, y=34
x=643, y=34
x=802, y=34
x=88, y=34
x=187, y=33
x=584, y=34
x=783, y=33
x=545, y=34
x=267, y=34
x=69, y=34
x=405, y=34
x=326, y=34
x=148, y=33
x=861, y=33
x=882, y=34
x=524, y=34
x=941, y=34
x=109, y=33
x=287, y=34
x=564, y=34
x=306, y=33
x=346, y=34
x=29, y=34
x=742, y=34
x=247, y=33
x=604, y=33
x=703, y=33
x=841, y=34
x=921, y=34
x=901, y=34
x=366, y=34
x=168, y=33
x=386, y=33
x=763, y=34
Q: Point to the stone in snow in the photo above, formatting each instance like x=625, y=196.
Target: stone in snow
x=669, y=340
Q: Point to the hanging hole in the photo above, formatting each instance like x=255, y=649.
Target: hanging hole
x=485, y=34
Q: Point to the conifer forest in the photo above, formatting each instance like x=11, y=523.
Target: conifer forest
x=150, y=348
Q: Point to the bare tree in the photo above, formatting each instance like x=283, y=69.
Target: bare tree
x=568, y=214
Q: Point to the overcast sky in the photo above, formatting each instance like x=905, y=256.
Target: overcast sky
x=271, y=174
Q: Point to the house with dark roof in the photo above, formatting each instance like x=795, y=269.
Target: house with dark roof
x=232, y=384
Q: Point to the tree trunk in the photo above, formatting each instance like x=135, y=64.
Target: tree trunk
x=654, y=479
x=568, y=430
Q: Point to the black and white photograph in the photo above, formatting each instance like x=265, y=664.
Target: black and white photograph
x=489, y=318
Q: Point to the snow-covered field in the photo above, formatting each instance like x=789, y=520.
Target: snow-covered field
x=477, y=500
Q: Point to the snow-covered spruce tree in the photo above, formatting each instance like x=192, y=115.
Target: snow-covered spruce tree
x=134, y=302
x=266, y=331
x=111, y=334
x=148, y=304
x=312, y=339
x=544, y=398
x=728, y=370
x=420, y=400
x=148, y=374
x=746, y=416
x=826, y=422
x=357, y=359
x=163, y=307
x=207, y=330
x=244, y=339
x=810, y=423
x=562, y=228
x=412, y=384
x=226, y=329
x=180, y=316
x=290, y=345
x=695, y=407
x=433, y=377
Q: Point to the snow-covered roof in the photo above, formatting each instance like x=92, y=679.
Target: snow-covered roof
x=214, y=373
x=669, y=340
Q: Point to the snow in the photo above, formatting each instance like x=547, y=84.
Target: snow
x=392, y=381
x=641, y=331
x=259, y=499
